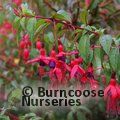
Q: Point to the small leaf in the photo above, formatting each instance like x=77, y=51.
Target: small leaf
x=15, y=96
x=31, y=26
x=80, y=116
x=17, y=22
x=94, y=4
x=40, y=25
x=34, y=53
x=83, y=16
x=26, y=11
x=23, y=23
x=106, y=41
x=97, y=59
x=29, y=115
x=63, y=15
x=70, y=116
x=49, y=40
x=114, y=58
x=84, y=47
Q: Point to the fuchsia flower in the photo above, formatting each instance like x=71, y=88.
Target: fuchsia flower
x=88, y=77
x=42, y=59
x=17, y=2
x=6, y=28
x=76, y=68
x=25, y=42
x=7, y=25
x=57, y=65
x=87, y=3
x=38, y=45
x=26, y=54
x=112, y=96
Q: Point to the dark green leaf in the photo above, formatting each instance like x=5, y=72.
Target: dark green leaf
x=15, y=96
x=84, y=47
x=3, y=117
x=84, y=16
x=70, y=116
x=106, y=41
x=23, y=23
x=31, y=26
x=114, y=58
x=63, y=15
x=40, y=25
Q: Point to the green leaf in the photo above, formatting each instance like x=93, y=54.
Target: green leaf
x=1, y=81
x=94, y=4
x=117, y=41
x=29, y=115
x=84, y=47
x=15, y=96
x=40, y=25
x=70, y=116
x=3, y=117
x=49, y=40
x=63, y=15
x=80, y=116
x=117, y=1
x=49, y=116
x=31, y=26
x=114, y=58
x=84, y=16
x=106, y=41
x=33, y=53
x=17, y=22
x=2, y=15
x=26, y=11
x=23, y=23
x=97, y=59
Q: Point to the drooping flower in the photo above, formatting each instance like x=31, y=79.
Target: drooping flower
x=112, y=95
x=38, y=45
x=41, y=59
x=52, y=59
x=17, y=2
x=7, y=25
x=77, y=69
x=26, y=54
x=61, y=55
x=25, y=42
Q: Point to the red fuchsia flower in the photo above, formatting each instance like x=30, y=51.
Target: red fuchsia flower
x=112, y=96
x=76, y=69
x=25, y=42
x=42, y=59
x=57, y=74
x=16, y=12
x=41, y=71
x=87, y=3
x=61, y=55
x=52, y=59
x=22, y=44
x=26, y=54
x=90, y=77
x=17, y=2
x=58, y=67
x=7, y=25
x=3, y=31
x=38, y=45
